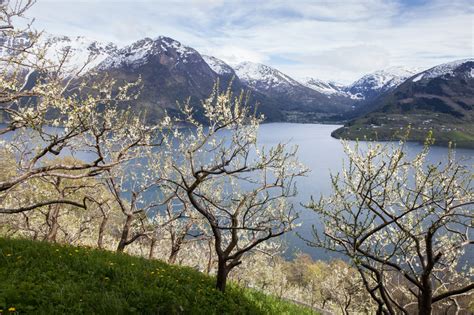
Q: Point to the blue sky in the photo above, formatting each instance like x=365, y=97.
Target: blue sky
x=332, y=40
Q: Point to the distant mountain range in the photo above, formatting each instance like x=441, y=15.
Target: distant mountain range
x=173, y=72
x=440, y=99
x=375, y=105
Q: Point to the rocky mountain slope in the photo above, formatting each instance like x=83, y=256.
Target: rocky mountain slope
x=440, y=99
x=297, y=101
x=372, y=85
x=326, y=87
x=171, y=71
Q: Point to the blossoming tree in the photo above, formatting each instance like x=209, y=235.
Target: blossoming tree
x=404, y=223
x=240, y=189
x=49, y=108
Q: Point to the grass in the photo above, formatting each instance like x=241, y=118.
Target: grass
x=42, y=278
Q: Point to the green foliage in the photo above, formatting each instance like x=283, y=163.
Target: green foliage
x=41, y=278
x=444, y=128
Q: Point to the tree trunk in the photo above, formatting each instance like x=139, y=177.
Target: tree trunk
x=209, y=262
x=53, y=224
x=174, y=254
x=425, y=299
x=222, y=272
x=425, y=303
x=103, y=224
x=151, y=253
x=125, y=234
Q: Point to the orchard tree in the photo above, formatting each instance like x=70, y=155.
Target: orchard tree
x=404, y=223
x=49, y=109
x=58, y=222
x=180, y=226
x=240, y=189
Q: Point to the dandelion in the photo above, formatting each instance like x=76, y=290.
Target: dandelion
x=12, y=309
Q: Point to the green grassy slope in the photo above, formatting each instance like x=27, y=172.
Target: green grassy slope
x=41, y=278
x=391, y=127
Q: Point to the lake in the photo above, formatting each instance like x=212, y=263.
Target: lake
x=324, y=155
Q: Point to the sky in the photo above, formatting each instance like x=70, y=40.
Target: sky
x=338, y=40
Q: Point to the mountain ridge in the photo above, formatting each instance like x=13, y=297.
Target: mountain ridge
x=172, y=72
x=439, y=99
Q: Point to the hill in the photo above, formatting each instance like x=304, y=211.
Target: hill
x=42, y=278
x=438, y=99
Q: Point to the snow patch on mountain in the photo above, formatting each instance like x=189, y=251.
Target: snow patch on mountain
x=445, y=69
x=137, y=54
x=83, y=53
x=217, y=65
x=329, y=88
x=265, y=77
x=381, y=81
x=321, y=86
x=182, y=51
x=387, y=78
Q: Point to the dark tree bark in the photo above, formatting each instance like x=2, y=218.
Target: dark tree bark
x=53, y=224
x=124, y=238
x=102, y=226
x=222, y=273
x=151, y=253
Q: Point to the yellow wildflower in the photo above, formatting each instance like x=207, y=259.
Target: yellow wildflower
x=12, y=309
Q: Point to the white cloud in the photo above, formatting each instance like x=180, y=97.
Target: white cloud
x=234, y=54
x=338, y=40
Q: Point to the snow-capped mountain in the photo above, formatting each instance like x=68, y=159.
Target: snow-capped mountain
x=440, y=99
x=73, y=53
x=138, y=53
x=218, y=66
x=172, y=72
x=263, y=77
x=329, y=88
x=84, y=52
x=372, y=85
x=291, y=95
x=455, y=68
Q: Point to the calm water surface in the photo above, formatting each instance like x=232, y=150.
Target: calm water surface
x=324, y=155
